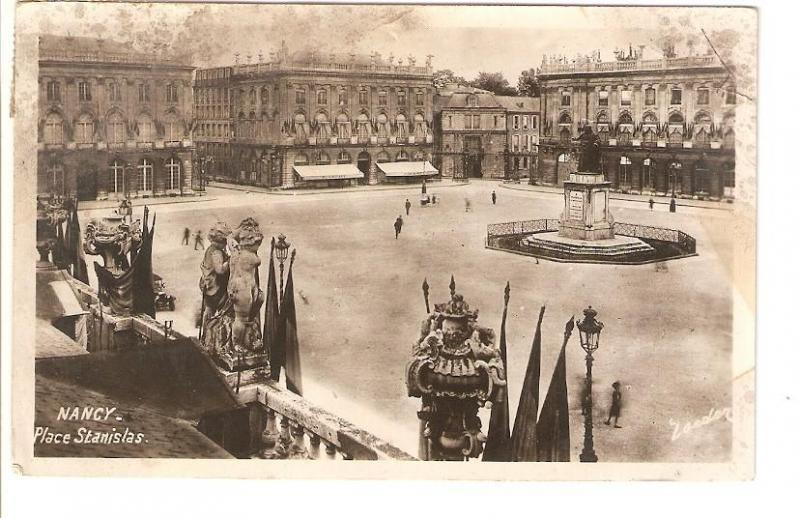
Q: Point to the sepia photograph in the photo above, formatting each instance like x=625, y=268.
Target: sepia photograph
x=521, y=237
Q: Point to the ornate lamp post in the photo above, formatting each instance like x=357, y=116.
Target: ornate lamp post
x=589, y=329
x=281, y=253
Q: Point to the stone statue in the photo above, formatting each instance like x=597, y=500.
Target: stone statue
x=49, y=217
x=243, y=287
x=215, y=271
x=455, y=369
x=589, y=143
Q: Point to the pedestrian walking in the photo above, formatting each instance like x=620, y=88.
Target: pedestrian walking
x=494, y=198
x=186, y=234
x=198, y=240
x=467, y=205
x=398, y=226
x=651, y=202
x=672, y=204
x=408, y=206
x=616, y=405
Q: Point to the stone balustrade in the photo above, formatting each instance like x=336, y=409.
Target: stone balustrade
x=632, y=65
x=255, y=69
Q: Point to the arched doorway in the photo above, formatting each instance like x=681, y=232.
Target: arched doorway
x=473, y=156
x=702, y=184
x=364, y=162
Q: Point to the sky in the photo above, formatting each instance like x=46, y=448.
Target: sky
x=465, y=39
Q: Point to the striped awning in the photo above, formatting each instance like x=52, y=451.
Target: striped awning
x=328, y=172
x=424, y=168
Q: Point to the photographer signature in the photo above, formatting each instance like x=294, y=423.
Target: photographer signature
x=715, y=414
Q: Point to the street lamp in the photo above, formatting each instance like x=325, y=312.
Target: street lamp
x=589, y=330
x=281, y=253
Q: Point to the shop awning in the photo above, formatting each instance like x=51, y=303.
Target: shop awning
x=424, y=168
x=328, y=172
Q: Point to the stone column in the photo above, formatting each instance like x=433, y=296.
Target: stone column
x=187, y=172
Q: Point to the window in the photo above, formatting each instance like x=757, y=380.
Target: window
x=625, y=118
x=53, y=129
x=515, y=143
x=625, y=97
x=323, y=159
x=264, y=95
x=730, y=95
x=401, y=97
x=650, y=96
x=344, y=158
x=516, y=122
x=173, y=173
x=449, y=121
x=363, y=96
x=173, y=129
x=648, y=170
x=172, y=93
x=565, y=136
x=322, y=97
x=55, y=178
x=702, y=96
x=702, y=138
x=565, y=119
x=524, y=162
x=144, y=93
x=144, y=127
x=342, y=126
x=252, y=96
x=114, y=92
x=472, y=121
x=115, y=129
x=382, y=157
x=145, y=177
x=676, y=138
x=534, y=121
x=402, y=156
x=624, y=170
x=472, y=101
x=625, y=138
x=363, y=128
x=342, y=97
x=420, y=126
x=53, y=91
x=676, y=118
x=84, y=129
x=84, y=91
x=649, y=137
x=300, y=96
x=602, y=98
x=675, y=96
x=301, y=159
x=116, y=180
x=649, y=118
x=383, y=123
x=526, y=142
x=420, y=98
x=565, y=98
x=383, y=98
x=524, y=122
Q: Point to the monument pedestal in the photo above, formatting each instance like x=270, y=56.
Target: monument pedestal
x=586, y=216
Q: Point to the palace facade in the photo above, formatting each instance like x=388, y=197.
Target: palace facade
x=315, y=119
x=112, y=123
x=667, y=126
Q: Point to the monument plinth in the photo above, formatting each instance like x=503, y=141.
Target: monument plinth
x=586, y=215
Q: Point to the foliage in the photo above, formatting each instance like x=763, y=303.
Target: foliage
x=528, y=83
x=493, y=82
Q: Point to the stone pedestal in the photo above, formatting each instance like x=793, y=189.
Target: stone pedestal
x=586, y=214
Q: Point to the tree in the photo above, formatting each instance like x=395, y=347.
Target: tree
x=528, y=83
x=441, y=78
x=493, y=82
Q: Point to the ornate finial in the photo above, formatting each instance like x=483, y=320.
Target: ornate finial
x=569, y=327
x=456, y=307
x=507, y=292
x=452, y=285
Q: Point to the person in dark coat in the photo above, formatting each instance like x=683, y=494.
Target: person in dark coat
x=651, y=202
x=616, y=405
x=408, y=206
x=186, y=234
x=198, y=240
x=672, y=205
x=398, y=226
x=494, y=198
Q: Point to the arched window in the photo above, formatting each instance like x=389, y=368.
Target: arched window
x=322, y=97
x=344, y=158
x=565, y=119
x=53, y=129
x=702, y=117
x=84, y=129
x=300, y=125
x=402, y=156
x=323, y=159
x=173, y=173
x=729, y=140
x=383, y=156
x=300, y=96
x=145, y=176
x=602, y=118
x=383, y=98
x=402, y=125
x=116, y=180
x=401, y=97
x=252, y=96
x=363, y=96
x=301, y=159
x=342, y=126
x=624, y=170
x=173, y=128
x=323, y=125
x=420, y=97
x=363, y=126
x=144, y=128
x=676, y=118
x=702, y=138
x=419, y=156
x=55, y=178
x=625, y=118
x=264, y=96
x=420, y=127
x=115, y=129
x=649, y=118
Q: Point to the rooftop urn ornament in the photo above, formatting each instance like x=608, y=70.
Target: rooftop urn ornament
x=589, y=329
x=455, y=369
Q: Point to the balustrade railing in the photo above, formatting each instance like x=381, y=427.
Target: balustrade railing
x=614, y=66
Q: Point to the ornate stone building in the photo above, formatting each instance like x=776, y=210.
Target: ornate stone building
x=483, y=135
x=112, y=122
x=316, y=119
x=667, y=125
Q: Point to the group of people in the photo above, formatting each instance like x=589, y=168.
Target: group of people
x=198, y=238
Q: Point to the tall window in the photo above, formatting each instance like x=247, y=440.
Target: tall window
x=420, y=98
x=702, y=96
x=383, y=98
x=342, y=126
x=343, y=97
x=565, y=136
x=515, y=143
x=115, y=129
x=55, y=178
x=114, y=92
x=534, y=121
x=116, y=180
x=649, y=137
x=144, y=125
x=84, y=91
x=300, y=96
x=566, y=98
x=84, y=129
x=363, y=126
x=344, y=158
x=675, y=96
x=322, y=97
x=730, y=95
x=648, y=170
x=53, y=129
x=625, y=118
x=676, y=138
x=524, y=122
x=401, y=97
x=363, y=96
x=650, y=96
x=472, y=121
x=144, y=93
x=145, y=178
x=252, y=96
x=53, y=91
x=264, y=95
x=602, y=98
x=402, y=125
x=624, y=170
x=301, y=159
x=172, y=93
x=173, y=173
x=516, y=122
x=173, y=130
x=625, y=97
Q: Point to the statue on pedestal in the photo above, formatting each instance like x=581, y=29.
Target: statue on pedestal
x=456, y=368
x=589, y=143
x=217, y=312
x=243, y=286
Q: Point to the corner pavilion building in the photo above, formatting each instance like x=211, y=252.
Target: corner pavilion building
x=313, y=119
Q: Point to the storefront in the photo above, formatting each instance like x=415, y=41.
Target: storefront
x=407, y=172
x=332, y=175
